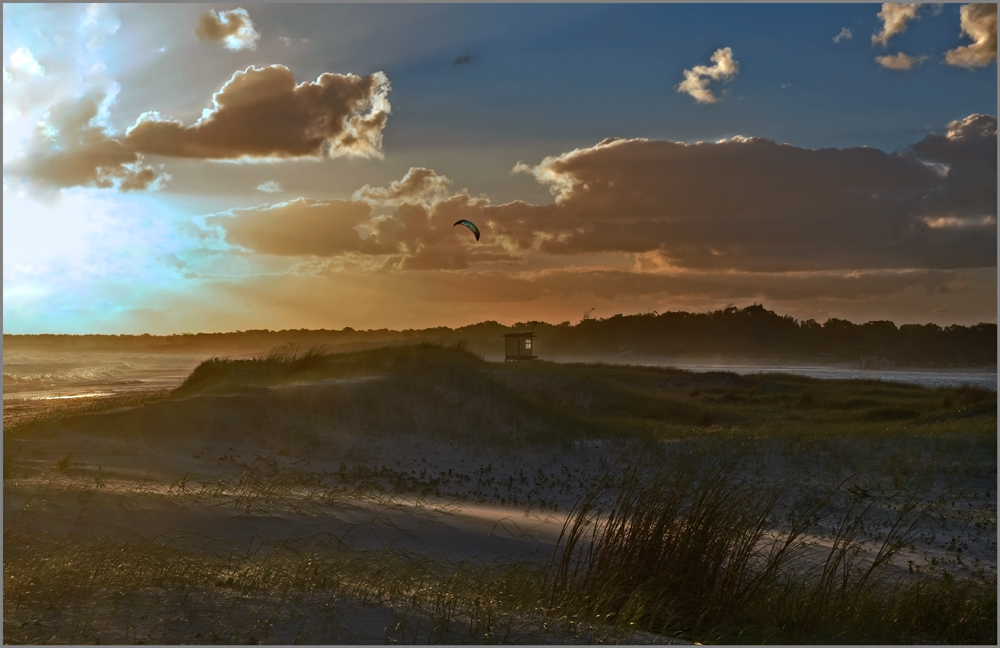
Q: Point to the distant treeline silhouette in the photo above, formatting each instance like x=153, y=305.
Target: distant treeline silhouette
x=751, y=332
x=754, y=331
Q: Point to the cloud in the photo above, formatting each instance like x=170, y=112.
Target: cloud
x=612, y=284
x=752, y=204
x=99, y=22
x=894, y=20
x=233, y=29
x=288, y=42
x=271, y=186
x=463, y=60
x=417, y=234
x=960, y=221
x=899, y=61
x=29, y=88
x=261, y=113
x=73, y=146
x=696, y=80
x=979, y=22
x=845, y=34
x=61, y=65
x=968, y=151
x=22, y=65
x=642, y=222
x=741, y=205
x=297, y=227
x=418, y=185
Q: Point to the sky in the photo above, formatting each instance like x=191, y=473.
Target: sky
x=208, y=168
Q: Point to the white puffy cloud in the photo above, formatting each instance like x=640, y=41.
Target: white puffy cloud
x=22, y=65
x=24, y=84
x=899, y=61
x=979, y=22
x=894, y=20
x=697, y=79
x=845, y=34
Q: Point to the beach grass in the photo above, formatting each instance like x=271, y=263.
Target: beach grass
x=694, y=554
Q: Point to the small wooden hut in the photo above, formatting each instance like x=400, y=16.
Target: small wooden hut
x=519, y=346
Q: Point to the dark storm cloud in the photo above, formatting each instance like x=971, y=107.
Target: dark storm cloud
x=757, y=205
x=969, y=151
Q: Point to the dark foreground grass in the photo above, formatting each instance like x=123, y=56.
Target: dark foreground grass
x=122, y=589
x=700, y=554
x=696, y=555
x=665, y=401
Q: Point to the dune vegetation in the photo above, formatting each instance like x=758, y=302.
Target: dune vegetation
x=417, y=493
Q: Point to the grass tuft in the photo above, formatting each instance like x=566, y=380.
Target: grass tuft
x=694, y=554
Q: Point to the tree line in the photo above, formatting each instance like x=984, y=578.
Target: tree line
x=755, y=332
x=752, y=332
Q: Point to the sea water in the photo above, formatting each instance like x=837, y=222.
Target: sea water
x=50, y=376
x=985, y=379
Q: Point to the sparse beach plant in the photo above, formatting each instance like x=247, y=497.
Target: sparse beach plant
x=697, y=554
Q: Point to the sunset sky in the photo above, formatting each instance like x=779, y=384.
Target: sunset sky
x=186, y=168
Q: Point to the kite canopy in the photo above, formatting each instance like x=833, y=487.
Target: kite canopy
x=470, y=225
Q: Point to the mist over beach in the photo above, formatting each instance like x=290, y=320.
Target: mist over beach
x=500, y=324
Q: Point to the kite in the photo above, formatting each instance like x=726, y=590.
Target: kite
x=470, y=225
